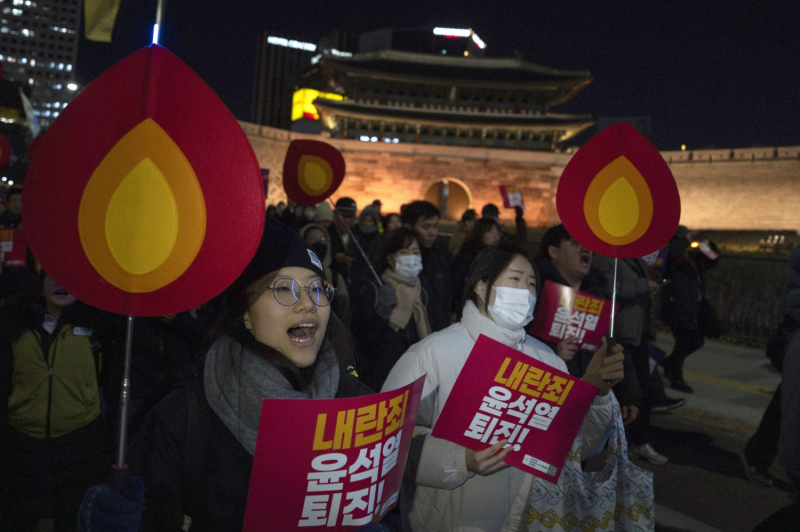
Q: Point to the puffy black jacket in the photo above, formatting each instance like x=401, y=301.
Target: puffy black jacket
x=161, y=453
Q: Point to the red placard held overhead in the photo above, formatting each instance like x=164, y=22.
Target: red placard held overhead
x=512, y=196
x=617, y=196
x=146, y=197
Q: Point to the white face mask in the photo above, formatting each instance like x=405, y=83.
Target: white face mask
x=408, y=266
x=512, y=308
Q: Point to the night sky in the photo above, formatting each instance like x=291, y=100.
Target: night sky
x=710, y=74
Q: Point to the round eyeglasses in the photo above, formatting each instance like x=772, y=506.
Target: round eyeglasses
x=287, y=291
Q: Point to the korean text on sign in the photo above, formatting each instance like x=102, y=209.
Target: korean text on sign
x=564, y=312
x=503, y=394
x=330, y=464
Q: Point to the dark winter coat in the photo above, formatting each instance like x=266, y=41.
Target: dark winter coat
x=435, y=277
x=627, y=391
x=380, y=345
x=680, y=303
x=160, y=454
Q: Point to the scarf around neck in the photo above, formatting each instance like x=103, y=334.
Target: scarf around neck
x=237, y=379
x=409, y=303
x=477, y=324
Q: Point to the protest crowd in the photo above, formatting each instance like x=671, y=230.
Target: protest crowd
x=343, y=301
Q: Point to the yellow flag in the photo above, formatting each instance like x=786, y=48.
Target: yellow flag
x=99, y=17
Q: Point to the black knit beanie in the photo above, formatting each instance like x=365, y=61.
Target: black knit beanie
x=280, y=247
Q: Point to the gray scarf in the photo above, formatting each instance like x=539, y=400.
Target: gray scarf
x=237, y=380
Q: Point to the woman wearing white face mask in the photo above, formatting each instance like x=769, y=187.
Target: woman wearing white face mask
x=457, y=488
x=389, y=319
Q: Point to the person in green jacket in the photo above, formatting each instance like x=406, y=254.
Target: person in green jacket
x=51, y=428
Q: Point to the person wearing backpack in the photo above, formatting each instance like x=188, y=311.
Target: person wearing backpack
x=276, y=339
x=51, y=426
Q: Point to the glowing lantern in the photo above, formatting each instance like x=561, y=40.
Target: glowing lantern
x=312, y=171
x=617, y=196
x=146, y=197
x=5, y=150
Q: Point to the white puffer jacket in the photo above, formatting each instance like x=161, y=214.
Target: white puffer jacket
x=448, y=497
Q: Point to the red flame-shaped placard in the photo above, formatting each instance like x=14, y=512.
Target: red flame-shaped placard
x=617, y=196
x=146, y=197
x=312, y=171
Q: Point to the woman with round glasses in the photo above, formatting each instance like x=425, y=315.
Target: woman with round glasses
x=275, y=340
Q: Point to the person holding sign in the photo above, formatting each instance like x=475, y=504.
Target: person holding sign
x=564, y=261
x=275, y=339
x=457, y=488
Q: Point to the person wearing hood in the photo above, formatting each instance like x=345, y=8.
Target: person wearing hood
x=276, y=339
x=460, y=489
x=390, y=318
x=318, y=238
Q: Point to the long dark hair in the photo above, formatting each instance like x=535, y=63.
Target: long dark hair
x=231, y=323
x=473, y=244
x=487, y=267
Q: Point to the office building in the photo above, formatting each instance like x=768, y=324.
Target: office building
x=39, y=47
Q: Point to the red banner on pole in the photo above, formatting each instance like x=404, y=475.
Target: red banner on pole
x=13, y=248
x=330, y=464
x=502, y=393
x=564, y=312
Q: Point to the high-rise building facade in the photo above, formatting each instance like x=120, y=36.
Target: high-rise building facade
x=39, y=47
x=279, y=63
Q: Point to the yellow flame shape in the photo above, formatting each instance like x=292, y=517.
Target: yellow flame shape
x=618, y=204
x=314, y=175
x=142, y=217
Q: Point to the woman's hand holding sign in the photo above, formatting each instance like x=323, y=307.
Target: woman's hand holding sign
x=605, y=371
x=489, y=460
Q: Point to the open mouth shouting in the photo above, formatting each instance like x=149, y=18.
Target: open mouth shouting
x=304, y=333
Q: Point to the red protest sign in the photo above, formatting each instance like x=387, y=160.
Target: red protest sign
x=502, y=393
x=564, y=312
x=13, y=248
x=330, y=464
x=512, y=196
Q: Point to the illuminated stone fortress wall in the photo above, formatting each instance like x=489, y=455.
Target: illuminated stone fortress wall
x=742, y=189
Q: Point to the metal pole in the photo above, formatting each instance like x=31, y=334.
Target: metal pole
x=613, y=301
x=353, y=240
x=123, y=398
x=159, y=11
x=159, y=16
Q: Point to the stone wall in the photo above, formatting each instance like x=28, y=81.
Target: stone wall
x=755, y=188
